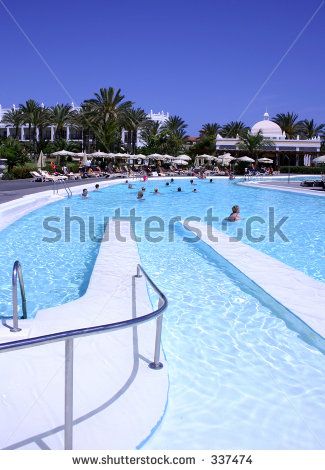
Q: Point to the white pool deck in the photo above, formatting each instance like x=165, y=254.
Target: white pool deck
x=118, y=399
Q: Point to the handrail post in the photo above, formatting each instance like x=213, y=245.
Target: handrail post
x=156, y=364
x=17, y=272
x=68, y=395
x=138, y=271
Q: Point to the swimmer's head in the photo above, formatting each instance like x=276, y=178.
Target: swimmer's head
x=179, y=189
x=235, y=209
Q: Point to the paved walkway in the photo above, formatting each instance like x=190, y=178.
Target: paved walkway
x=284, y=184
x=14, y=189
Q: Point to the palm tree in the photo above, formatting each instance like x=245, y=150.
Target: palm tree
x=60, y=116
x=310, y=129
x=108, y=105
x=288, y=123
x=210, y=130
x=151, y=136
x=41, y=120
x=234, y=128
x=135, y=120
x=173, y=131
x=15, y=119
x=30, y=115
x=254, y=143
x=83, y=121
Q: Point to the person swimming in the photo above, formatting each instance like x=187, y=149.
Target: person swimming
x=143, y=188
x=167, y=184
x=192, y=182
x=140, y=194
x=211, y=180
x=194, y=190
x=96, y=187
x=179, y=189
x=84, y=193
x=235, y=215
x=130, y=186
x=172, y=180
x=156, y=191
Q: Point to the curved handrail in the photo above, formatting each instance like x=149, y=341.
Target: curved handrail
x=17, y=273
x=69, y=335
x=76, y=333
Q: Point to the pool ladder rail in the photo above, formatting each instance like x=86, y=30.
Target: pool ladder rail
x=68, y=337
x=17, y=276
x=64, y=184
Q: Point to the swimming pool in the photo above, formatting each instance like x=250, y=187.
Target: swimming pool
x=239, y=377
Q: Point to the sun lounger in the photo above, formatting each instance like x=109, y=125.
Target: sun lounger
x=49, y=177
x=37, y=176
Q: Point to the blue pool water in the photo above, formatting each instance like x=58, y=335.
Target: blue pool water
x=239, y=377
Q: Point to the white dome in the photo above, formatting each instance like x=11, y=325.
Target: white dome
x=268, y=128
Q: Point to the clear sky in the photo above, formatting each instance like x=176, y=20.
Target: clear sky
x=203, y=60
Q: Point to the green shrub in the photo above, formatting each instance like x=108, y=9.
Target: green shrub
x=20, y=172
x=306, y=170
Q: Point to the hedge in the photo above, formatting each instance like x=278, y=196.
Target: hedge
x=20, y=172
x=307, y=170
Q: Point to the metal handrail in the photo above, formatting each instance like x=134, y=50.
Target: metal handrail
x=67, y=188
x=17, y=273
x=69, y=335
x=64, y=184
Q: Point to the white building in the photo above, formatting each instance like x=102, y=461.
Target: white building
x=70, y=134
x=294, y=149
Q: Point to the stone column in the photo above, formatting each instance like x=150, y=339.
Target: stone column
x=68, y=133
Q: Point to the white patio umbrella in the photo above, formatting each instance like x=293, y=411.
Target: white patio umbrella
x=320, y=159
x=99, y=154
x=140, y=156
x=183, y=157
x=209, y=158
x=225, y=159
x=81, y=154
x=41, y=160
x=122, y=155
x=155, y=156
x=180, y=162
x=63, y=153
x=167, y=157
x=246, y=159
x=265, y=160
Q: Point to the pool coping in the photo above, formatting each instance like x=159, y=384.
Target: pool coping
x=297, y=292
x=302, y=191
x=116, y=414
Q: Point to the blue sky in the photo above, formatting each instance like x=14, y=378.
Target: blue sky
x=203, y=60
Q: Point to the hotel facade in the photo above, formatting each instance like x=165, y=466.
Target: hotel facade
x=282, y=150
x=70, y=133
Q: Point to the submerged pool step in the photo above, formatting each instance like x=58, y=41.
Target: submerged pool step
x=301, y=295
